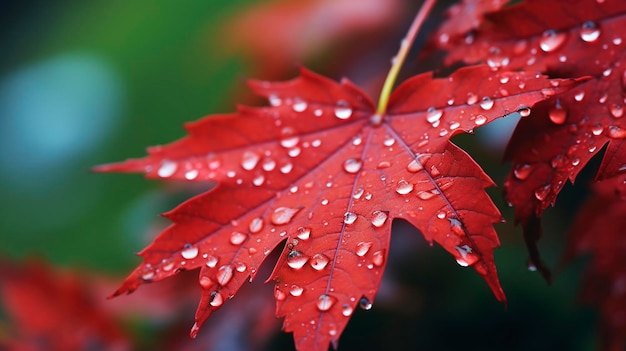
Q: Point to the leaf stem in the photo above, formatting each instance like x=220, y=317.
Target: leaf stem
x=398, y=60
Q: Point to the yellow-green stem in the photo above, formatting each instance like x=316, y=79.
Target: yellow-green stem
x=398, y=60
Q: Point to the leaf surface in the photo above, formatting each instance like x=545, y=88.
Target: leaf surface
x=587, y=38
x=321, y=175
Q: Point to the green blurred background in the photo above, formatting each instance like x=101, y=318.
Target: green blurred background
x=84, y=83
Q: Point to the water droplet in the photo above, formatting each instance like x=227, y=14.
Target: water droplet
x=167, y=265
x=356, y=141
x=414, y=166
x=557, y=114
x=343, y=110
x=296, y=259
x=318, y=112
x=240, y=267
x=434, y=171
x=616, y=132
x=189, y=252
x=426, y=195
x=456, y=226
x=389, y=141
x=362, y=248
x=167, y=169
x=433, y=115
x=191, y=174
x=486, y=103
x=542, y=192
x=211, y=261
x=256, y=225
x=579, y=96
x=237, y=238
x=286, y=168
x=617, y=111
x=319, y=261
x=216, y=299
x=442, y=214
x=258, y=180
x=349, y=218
x=249, y=160
x=289, y=142
x=296, y=290
x=378, y=258
x=480, y=120
x=279, y=295
x=206, y=282
x=224, y=275
x=358, y=193
x=575, y=161
x=294, y=151
x=467, y=257
x=269, y=165
x=551, y=40
x=274, y=100
x=365, y=304
x=597, y=129
x=589, y=32
x=403, y=187
x=324, y=202
x=522, y=171
x=346, y=310
x=325, y=302
x=383, y=165
x=531, y=266
x=147, y=272
x=379, y=218
x=352, y=165
x=303, y=233
x=299, y=105
x=316, y=143
x=523, y=111
x=283, y=215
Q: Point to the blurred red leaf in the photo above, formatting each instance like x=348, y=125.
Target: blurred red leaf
x=321, y=173
x=599, y=231
x=565, y=132
x=51, y=310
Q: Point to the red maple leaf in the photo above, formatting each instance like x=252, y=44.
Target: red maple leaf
x=599, y=231
x=322, y=173
x=565, y=132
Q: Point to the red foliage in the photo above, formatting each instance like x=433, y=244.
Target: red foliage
x=599, y=231
x=322, y=173
x=54, y=311
x=563, y=133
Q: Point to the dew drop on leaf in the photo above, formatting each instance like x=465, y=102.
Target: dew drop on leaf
x=269, y=165
x=358, y=193
x=211, y=261
x=365, y=304
x=249, y=160
x=551, y=40
x=597, y=129
x=579, y=96
x=589, y=32
x=557, y=113
x=237, y=238
x=414, y=166
x=486, y=103
x=325, y=302
x=279, y=295
x=403, y=187
x=258, y=180
x=205, y=282
x=346, y=310
x=289, y=142
x=379, y=218
x=362, y=248
x=224, y=274
x=349, y=217
x=378, y=258
x=616, y=110
x=191, y=174
x=471, y=98
x=167, y=169
x=283, y=215
x=319, y=261
x=296, y=290
x=303, y=233
x=343, y=110
x=542, y=192
x=522, y=171
x=189, y=252
x=296, y=260
x=299, y=105
x=216, y=299
x=523, y=111
x=256, y=224
x=616, y=132
x=148, y=272
x=433, y=115
x=240, y=267
x=167, y=265
x=352, y=165
x=274, y=100
x=480, y=120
